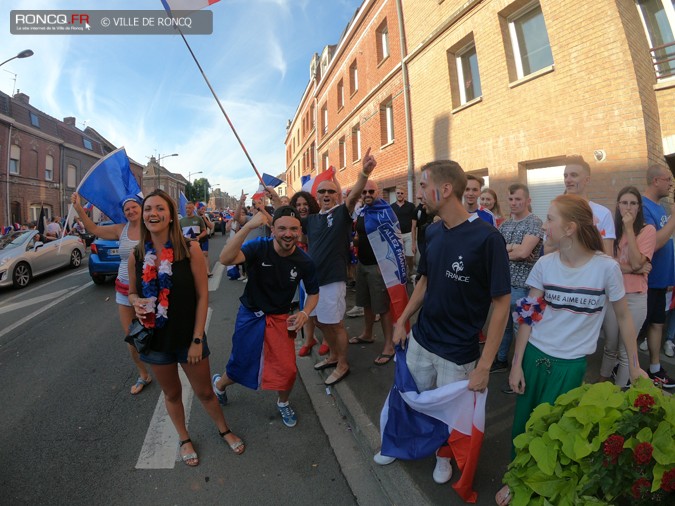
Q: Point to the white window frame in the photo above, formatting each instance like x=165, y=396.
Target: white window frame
x=71, y=176
x=354, y=77
x=343, y=152
x=324, y=114
x=49, y=168
x=324, y=161
x=389, y=121
x=14, y=159
x=669, y=10
x=356, y=142
x=517, y=55
x=341, y=94
x=384, y=41
x=461, y=79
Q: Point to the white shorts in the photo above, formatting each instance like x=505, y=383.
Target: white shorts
x=431, y=371
x=407, y=244
x=122, y=300
x=332, y=303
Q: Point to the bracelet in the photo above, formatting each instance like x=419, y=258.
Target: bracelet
x=304, y=314
x=529, y=310
x=365, y=175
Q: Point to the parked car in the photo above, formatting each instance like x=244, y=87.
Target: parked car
x=218, y=221
x=104, y=260
x=23, y=256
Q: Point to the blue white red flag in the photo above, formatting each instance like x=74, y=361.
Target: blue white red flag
x=186, y=5
x=88, y=206
x=107, y=184
x=312, y=184
x=384, y=235
x=269, y=181
x=414, y=425
x=182, y=202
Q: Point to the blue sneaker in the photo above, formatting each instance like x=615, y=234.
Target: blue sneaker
x=287, y=415
x=220, y=394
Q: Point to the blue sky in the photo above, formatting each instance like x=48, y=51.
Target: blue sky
x=146, y=93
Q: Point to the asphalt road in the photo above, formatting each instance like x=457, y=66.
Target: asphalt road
x=72, y=433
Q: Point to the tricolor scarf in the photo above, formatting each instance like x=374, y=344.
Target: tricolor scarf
x=384, y=235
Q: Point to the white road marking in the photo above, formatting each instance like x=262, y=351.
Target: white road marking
x=41, y=287
x=45, y=308
x=217, y=271
x=160, y=448
x=30, y=302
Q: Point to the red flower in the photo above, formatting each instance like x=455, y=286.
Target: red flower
x=163, y=297
x=643, y=453
x=536, y=317
x=668, y=481
x=149, y=273
x=641, y=486
x=644, y=402
x=613, y=447
x=167, y=254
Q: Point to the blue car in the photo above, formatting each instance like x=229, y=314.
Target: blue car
x=104, y=260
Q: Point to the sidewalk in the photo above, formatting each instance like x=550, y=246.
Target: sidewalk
x=360, y=398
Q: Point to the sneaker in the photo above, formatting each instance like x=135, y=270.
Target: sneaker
x=499, y=366
x=355, y=311
x=287, y=415
x=220, y=394
x=661, y=379
x=443, y=470
x=383, y=460
x=669, y=348
x=644, y=346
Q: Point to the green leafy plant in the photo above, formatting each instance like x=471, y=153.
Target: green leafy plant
x=597, y=445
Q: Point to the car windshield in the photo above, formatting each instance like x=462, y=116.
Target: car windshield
x=13, y=240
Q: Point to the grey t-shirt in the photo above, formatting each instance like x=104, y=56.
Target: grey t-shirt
x=328, y=236
x=514, y=231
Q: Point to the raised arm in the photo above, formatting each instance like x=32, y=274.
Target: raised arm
x=110, y=232
x=231, y=253
x=369, y=164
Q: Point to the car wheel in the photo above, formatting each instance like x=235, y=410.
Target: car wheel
x=22, y=275
x=98, y=279
x=75, y=258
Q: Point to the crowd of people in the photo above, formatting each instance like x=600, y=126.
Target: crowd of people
x=493, y=291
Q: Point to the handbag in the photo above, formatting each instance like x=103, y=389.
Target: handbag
x=139, y=336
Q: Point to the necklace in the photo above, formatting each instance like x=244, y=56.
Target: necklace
x=157, y=283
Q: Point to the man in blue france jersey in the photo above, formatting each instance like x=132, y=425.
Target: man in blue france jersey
x=464, y=269
x=263, y=352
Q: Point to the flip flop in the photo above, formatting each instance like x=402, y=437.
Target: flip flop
x=334, y=378
x=324, y=364
x=237, y=447
x=189, y=456
x=503, y=497
x=140, y=385
x=386, y=356
x=360, y=340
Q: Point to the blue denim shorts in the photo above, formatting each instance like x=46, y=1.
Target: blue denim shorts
x=178, y=356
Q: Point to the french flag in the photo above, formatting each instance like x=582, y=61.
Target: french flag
x=269, y=181
x=186, y=5
x=414, y=425
x=311, y=184
x=88, y=207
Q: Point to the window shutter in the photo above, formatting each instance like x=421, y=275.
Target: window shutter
x=545, y=184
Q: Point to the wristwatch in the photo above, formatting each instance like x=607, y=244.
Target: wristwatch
x=196, y=340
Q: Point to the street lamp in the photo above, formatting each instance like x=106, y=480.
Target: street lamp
x=23, y=54
x=191, y=173
x=159, y=165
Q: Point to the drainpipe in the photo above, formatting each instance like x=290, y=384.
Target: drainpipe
x=406, y=103
x=9, y=148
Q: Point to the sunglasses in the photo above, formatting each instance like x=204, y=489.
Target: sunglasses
x=329, y=192
x=368, y=192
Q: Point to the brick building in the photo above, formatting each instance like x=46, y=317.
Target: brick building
x=155, y=176
x=507, y=88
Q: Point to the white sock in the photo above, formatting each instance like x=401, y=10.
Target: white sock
x=654, y=368
x=282, y=404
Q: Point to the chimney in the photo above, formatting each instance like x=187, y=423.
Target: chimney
x=22, y=97
x=70, y=120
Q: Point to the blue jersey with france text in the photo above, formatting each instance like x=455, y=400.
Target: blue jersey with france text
x=662, y=274
x=273, y=279
x=465, y=266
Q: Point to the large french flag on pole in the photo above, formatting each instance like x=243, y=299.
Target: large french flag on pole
x=269, y=181
x=384, y=235
x=311, y=184
x=186, y=5
x=414, y=425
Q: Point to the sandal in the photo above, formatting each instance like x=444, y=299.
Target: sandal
x=189, y=456
x=383, y=356
x=360, y=340
x=306, y=349
x=503, y=497
x=139, y=385
x=237, y=447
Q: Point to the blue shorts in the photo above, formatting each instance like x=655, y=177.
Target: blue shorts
x=204, y=245
x=178, y=356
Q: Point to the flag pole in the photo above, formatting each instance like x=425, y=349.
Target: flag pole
x=222, y=109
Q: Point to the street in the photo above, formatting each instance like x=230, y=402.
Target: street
x=72, y=433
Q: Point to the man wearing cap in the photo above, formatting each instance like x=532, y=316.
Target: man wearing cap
x=263, y=348
x=328, y=234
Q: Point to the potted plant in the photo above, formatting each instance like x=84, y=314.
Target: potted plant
x=597, y=445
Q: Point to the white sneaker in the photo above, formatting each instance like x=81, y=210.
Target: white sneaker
x=669, y=348
x=383, y=460
x=355, y=311
x=644, y=346
x=443, y=470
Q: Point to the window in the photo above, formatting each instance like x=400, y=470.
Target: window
x=529, y=39
x=343, y=153
x=324, y=119
x=356, y=143
x=49, y=168
x=545, y=184
x=353, y=78
x=34, y=120
x=14, y=159
x=324, y=161
x=312, y=156
x=311, y=115
x=658, y=18
x=71, y=176
x=382, y=34
x=387, y=122
x=467, y=74
x=340, y=95
x=34, y=211
x=87, y=143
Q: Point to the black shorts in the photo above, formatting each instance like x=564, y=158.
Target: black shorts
x=656, y=306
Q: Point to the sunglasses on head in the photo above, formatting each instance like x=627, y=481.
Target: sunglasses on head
x=368, y=192
x=330, y=192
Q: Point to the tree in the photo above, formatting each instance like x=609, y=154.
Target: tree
x=198, y=191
